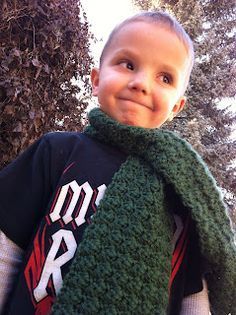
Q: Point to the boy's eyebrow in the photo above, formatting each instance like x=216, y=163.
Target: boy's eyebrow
x=126, y=52
x=171, y=69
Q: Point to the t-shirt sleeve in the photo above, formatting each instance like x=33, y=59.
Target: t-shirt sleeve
x=10, y=262
x=25, y=187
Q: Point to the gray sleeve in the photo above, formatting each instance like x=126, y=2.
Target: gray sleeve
x=10, y=261
x=196, y=304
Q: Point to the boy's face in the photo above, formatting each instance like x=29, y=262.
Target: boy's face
x=142, y=76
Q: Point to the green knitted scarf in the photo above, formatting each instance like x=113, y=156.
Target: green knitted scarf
x=123, y=263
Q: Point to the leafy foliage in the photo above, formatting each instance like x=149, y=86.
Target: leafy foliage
x=44, y=49
x=210, y=24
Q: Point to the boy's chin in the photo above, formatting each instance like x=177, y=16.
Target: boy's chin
x=132, y=123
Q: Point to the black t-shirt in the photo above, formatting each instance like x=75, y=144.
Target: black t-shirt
x=48, y=196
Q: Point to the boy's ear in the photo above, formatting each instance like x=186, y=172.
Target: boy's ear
x=95, y=81
x=179, y=105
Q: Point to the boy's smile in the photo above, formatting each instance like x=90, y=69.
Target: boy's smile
x=142, y=76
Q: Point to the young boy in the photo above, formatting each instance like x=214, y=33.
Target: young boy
x=128, y=259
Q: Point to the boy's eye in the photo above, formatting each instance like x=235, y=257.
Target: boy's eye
x=127, y=64
x=166, y=79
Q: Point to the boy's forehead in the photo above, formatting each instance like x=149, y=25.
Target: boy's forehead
x=133, y=25
x=149, y=33
x=143, y=25
x=138, y=28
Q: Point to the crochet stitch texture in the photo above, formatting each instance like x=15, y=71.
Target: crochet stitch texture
x=123, y=263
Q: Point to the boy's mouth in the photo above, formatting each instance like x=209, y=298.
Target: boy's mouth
x=134, y=101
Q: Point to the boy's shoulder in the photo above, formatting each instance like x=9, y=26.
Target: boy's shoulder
x=65, y=140
x=62, y=137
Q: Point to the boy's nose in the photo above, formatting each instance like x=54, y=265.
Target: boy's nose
x=140, y=83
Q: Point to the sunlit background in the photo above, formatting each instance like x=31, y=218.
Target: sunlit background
x=103, y=15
